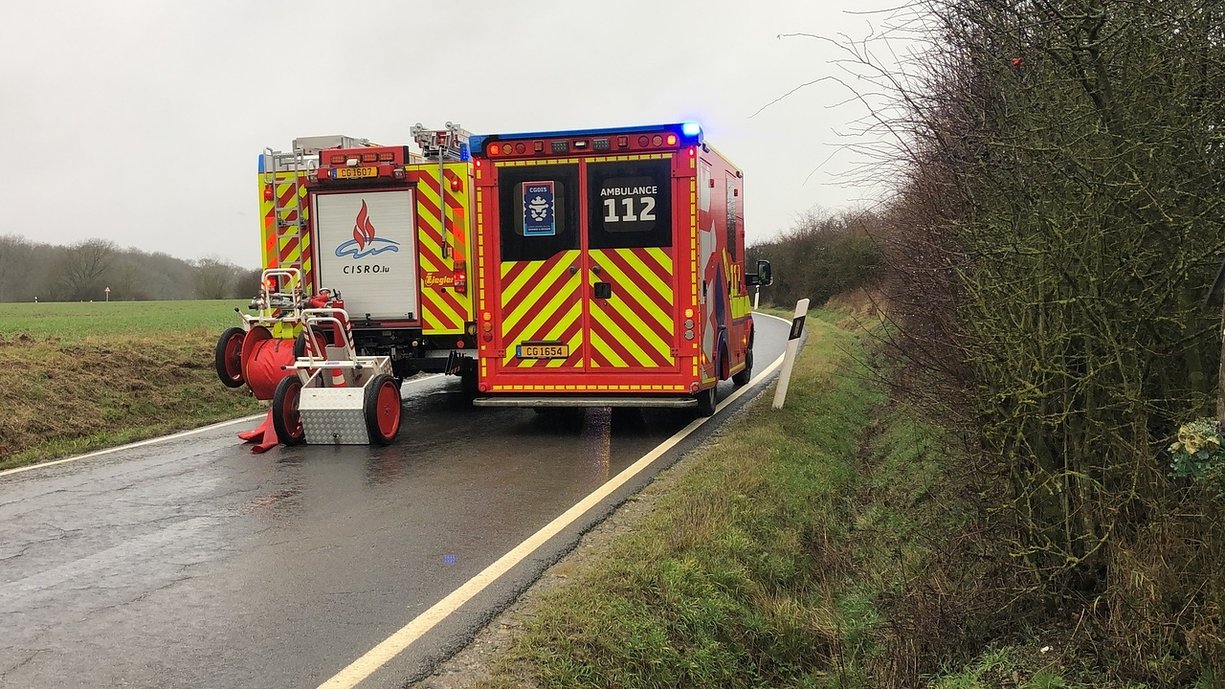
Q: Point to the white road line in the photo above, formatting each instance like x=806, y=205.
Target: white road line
x=162, y=439
x=363, y=667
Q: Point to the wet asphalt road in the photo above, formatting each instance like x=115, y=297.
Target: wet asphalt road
x=193, y=563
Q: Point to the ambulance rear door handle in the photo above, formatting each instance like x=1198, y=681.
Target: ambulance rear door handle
x=603, y=290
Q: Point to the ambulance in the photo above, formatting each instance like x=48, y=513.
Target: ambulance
x=610, y=268
x=386, y=232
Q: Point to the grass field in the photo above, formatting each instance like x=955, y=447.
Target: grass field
x=82, y=376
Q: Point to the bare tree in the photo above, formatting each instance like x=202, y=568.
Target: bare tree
x=214, y=278
x=15, y=267
x=83, y=266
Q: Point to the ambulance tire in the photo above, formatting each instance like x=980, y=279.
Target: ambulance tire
x=707, y=401
x=746, y=374
x=382, y=409
x=286, y=418
x=228, y=357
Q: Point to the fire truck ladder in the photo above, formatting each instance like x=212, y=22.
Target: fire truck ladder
x=287, y=209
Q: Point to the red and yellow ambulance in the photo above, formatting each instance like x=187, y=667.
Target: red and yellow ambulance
x=610, y=269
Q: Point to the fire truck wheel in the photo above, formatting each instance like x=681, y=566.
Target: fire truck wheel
x=707, y=400
x=229, y=357
x=746, y=374
x=285, y=416
x=381, y=407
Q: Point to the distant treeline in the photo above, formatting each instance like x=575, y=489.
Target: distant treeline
x=820, y=256
x=31, y=271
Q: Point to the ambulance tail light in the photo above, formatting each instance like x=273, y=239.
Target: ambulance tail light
x=486, y=327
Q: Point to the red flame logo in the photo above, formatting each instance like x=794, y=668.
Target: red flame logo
x=363, y=229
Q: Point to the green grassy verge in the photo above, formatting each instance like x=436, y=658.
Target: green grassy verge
x=823, y=545
x=85, y=376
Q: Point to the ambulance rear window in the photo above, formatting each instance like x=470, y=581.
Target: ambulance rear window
x=538, y=211
x=630, y=204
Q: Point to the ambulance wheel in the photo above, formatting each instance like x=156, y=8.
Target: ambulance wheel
x=286, y=418
x=707, y=400
x=746, y=374
x=381, y=407
x=228, y=357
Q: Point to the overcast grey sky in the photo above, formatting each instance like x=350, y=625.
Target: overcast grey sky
x=141, y=121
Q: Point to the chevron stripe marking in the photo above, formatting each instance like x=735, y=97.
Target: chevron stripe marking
x=648, y=347
x=602, y=355
x=527, y=287
x=517, y=306
x=565, y=301
x=655, y=303
x=621, y=337
x=651, y=337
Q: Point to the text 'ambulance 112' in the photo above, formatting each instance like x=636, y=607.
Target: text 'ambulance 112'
x=610, y=269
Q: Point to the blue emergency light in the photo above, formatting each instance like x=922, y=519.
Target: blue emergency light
x=689, y=133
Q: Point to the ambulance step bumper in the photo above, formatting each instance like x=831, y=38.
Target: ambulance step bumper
x=577, y=401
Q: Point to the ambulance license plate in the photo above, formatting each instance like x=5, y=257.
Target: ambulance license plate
x=543, y=350
x=356, y=172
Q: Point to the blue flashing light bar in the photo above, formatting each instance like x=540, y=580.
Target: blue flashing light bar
x=688, y=134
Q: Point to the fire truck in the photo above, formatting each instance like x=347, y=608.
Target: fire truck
x=610, y=269
x=386, y=231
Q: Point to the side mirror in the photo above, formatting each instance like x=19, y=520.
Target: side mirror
x=763, y=277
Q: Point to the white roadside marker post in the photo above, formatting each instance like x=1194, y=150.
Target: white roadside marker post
x=793, y=344
x=757, y=298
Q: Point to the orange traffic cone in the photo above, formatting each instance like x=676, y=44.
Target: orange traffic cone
x=338, y=378
x=264, y=436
